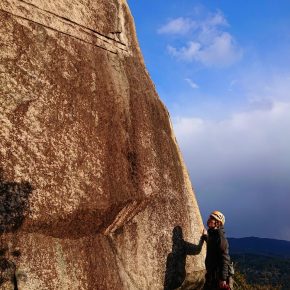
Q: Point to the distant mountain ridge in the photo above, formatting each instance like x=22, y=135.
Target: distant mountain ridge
x=259, y=246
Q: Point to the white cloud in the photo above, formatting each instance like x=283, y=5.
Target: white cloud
x=206, y=41
x=182, y=25
x=178, y=26
x=190, y=52
x=192, y=83
x=221, y=51
x=216, y=19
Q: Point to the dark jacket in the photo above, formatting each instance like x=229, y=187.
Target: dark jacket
x=217, y=254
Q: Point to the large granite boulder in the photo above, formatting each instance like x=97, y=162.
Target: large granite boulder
x=92, y=184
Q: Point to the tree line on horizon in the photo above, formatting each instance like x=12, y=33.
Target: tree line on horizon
x=258, y=272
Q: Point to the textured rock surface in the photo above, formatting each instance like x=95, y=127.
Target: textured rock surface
x=91, y=182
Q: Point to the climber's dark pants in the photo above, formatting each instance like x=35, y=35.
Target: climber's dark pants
x=211, y=281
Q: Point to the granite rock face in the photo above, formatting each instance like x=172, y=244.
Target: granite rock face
x=92, y=183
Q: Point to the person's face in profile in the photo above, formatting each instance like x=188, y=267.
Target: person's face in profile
x=211, y=223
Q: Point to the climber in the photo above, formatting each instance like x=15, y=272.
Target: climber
x=217, y=262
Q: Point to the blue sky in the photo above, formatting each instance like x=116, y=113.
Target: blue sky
x=222, y=68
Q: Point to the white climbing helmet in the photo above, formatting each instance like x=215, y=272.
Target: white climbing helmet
x=217, y=215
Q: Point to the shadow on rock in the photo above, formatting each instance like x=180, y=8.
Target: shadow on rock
x=176, y=260
x=14, y=203
x=8, y=261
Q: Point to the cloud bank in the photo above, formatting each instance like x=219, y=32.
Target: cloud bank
x=241, y=166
